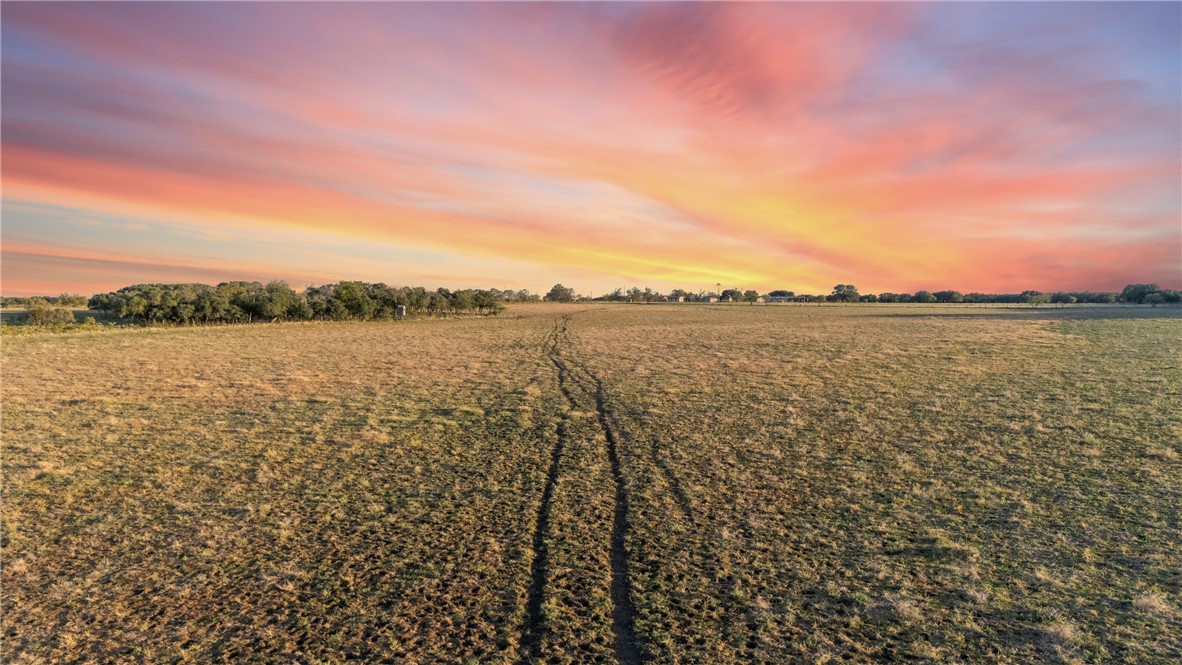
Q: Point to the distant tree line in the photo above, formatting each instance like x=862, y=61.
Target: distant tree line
x=1151, y=294
x=1134, y=293
x=244, y=302
x=64, y=300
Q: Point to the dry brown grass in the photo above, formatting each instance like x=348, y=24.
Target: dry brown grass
x=1153, y=603
x=802, y=484
x=304, y=491
x=872, y=483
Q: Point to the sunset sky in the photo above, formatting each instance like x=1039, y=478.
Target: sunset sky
x=981, y=147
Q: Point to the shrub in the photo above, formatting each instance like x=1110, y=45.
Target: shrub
x=41, y=313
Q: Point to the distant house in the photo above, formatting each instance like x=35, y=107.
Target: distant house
x=675, y=299
x=708, y=299
x=760, y=299
x=780, y=299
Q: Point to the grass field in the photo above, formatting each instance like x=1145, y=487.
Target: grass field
x=672, y=484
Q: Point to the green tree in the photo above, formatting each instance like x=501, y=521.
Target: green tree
x=439, y=303
x=1136, y=293
x=1034, y=298
x=416, y=298
x=69, y=300
x=355, y=300
x=463, y=301
x=275, y=301
x=560, y=293
x=104, y=302
x=489, y=301
x=844, y=293
x=618, y=295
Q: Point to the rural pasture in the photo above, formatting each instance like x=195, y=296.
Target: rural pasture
x=600, y=483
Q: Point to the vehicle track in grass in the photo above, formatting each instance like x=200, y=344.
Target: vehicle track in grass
x=623, y=610
x=588, y=388
x=708, y=560
x=535, y=625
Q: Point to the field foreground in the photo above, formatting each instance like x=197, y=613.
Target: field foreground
x=600, y=483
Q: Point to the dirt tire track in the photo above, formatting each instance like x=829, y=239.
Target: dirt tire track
x=623, y=610
x=658, y=460
x=679, y=495
x=627, y=647
x=535, y=625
